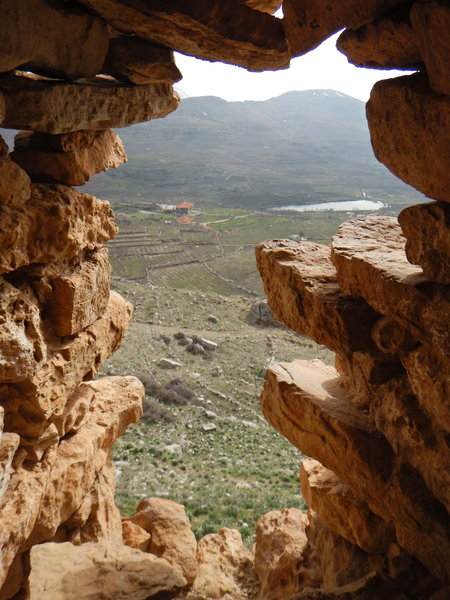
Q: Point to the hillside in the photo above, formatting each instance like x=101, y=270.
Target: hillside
x=299, y=147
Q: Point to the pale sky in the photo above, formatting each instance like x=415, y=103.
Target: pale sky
x=322, y=68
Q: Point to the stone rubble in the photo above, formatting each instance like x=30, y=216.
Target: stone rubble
x=376, y=427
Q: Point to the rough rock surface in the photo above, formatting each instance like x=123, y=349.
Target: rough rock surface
x=308, y=24
x=134, y=535
x=387, y=281
x=76, y=47
x=105, y=151
x=427, y=231
x=56, y=222
x=386, y=43
x=60, y=107
x=106, y=571
x=341, y=510
x=225, y=569
x=171, y=536
x=303, y=293
x=14, y=182
x=223, y=30
x=305, y=402
x=431, y=23
x=405, y=116
x=138, y=61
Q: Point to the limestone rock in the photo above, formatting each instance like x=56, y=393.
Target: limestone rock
x=303, y=293
x=31, y=403
x=171, y=536
x=22, y=346
x=19, y=508
x=75, y=48
x=97, y=519
x=135, y=536
x=60, y=107
x=304, y=401
x=94, y=571
x=281, y=552
x=9, y=442
x=225, y=569
x=47, y=142
x=138, y=61
x=427, y=231
x=223, y=30
x=75, y=167
x=14, y=182
x=76, y=410
x=431, y=24
x=309, y=22
x=79, y=298
x=81, y=456
x=369, y=255
x=386, y=43
x=341, y=510
x=55, y=223
x=405, y=116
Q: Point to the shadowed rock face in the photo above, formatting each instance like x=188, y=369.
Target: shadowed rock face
x=376, y=426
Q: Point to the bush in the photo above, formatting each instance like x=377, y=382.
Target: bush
x=153, y=412
x=173, y=392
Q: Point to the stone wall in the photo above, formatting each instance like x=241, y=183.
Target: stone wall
x=376, y=426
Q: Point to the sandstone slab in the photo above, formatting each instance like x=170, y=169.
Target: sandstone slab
x=405, y=116
x=427, y=231
x=431, y=25
x=31, y=403
x=223, y=30
x=60, y=107
x=269, y=6
x=95, y=571
x=304, y=401
x=55, y=223
x=80, y=297
x=369, y=255
x=341, y=510
x=386, y=43
x=309, y=22
x=48, y=142
x=171, y=536
x=302, y=290
x=139, y=61
x=225, y=568
x=75, y=167
x=76, y=47
x=81, y=456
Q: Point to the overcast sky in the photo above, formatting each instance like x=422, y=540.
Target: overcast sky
x=323, y=68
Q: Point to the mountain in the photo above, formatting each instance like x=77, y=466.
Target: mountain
x=308, y=146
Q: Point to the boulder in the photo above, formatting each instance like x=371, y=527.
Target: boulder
x=134, y=535
x=96, y=570
x=427, y=231
x=302, y=290
x=386, y=43
x=139, y=61
x=223, y=30
x=55, y=223
x=14, y=182
x=75, y=167
x=52, y=38
x=225, y=569
x=370, y=261
x=61, y=107
x=405, y=116
x=309, y=22
x=281, y=554
x=171, y=536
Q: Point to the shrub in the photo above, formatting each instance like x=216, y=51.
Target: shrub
x=153, y=412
